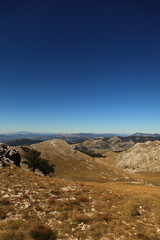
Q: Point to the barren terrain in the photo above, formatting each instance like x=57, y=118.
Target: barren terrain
x=86, y=198
x=77, y=210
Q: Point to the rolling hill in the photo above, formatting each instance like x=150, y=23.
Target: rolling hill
x=107, y=204
x=75, y=165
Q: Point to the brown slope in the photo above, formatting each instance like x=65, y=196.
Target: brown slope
x=103, y=211
x=72, y=164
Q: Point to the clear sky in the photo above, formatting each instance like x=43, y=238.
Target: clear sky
x=80, y=66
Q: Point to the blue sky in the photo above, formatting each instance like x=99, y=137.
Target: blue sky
x=80, y=66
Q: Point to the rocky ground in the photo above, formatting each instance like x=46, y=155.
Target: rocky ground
x=9, y=156
x=36, y=207
x=141, y=157
x=74, y=210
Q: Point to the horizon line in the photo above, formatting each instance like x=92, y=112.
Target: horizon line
x=25, y=132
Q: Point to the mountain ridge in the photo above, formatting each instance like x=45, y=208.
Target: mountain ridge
x=72, y=164
x=140, y=134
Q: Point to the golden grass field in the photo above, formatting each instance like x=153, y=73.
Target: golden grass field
x=45, y=208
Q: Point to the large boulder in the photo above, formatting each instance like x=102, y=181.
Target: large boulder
x=9, y=156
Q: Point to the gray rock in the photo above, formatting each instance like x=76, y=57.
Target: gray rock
x=141, y=157
x=9, y=156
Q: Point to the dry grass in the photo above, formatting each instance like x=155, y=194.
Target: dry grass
x=76, y=210
x=77, y=166
x=152, y=177
x=13, y=235
x=81, y=218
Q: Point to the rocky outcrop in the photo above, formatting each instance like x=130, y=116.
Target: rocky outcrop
x=141, y=157
x=9, y=156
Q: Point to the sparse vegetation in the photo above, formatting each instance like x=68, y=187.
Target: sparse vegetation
x=34, y=161
x=45, y=167
x=82, y=218
x=34, y=207
x=13, y=235
x=33, y=158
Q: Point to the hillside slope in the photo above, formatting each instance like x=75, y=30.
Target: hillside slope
x=75, y=210
x=72, y=164
x=141, y=157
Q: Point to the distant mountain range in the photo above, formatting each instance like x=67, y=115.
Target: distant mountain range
x=37, y=137
x=139, y=134
x=27, y=138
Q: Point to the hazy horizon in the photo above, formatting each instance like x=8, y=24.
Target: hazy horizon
x=68, y=66
x=51, y=132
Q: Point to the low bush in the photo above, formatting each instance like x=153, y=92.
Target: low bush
x=4, y=202
x=83, y=199
x=42, y=232
x=3, y=214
